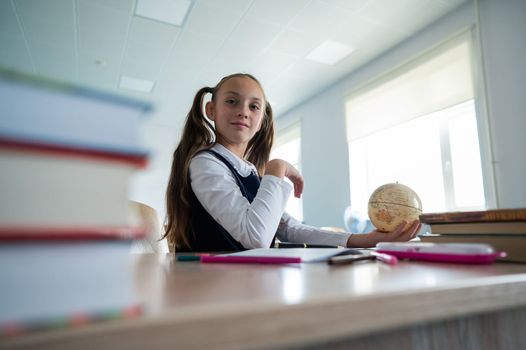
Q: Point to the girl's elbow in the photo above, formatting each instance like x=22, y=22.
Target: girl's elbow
x=258, y=239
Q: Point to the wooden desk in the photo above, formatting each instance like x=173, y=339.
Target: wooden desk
x=213, y=306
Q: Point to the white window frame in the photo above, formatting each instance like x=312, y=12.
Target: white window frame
x=481, y=115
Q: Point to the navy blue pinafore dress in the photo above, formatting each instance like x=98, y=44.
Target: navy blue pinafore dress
x=206, y=235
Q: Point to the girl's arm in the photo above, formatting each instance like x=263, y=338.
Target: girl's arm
x=291, y=230
x=252, y=224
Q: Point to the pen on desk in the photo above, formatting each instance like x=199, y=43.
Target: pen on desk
x=301, y=245
x=385, y=258
x=191, y=257
x=348, y=259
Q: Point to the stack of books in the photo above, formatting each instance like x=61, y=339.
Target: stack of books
x=67, y=155
x=504, y=229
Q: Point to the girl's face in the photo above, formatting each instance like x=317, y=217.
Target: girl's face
x=237, y=110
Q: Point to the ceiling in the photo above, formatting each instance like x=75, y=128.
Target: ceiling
x=95, y=42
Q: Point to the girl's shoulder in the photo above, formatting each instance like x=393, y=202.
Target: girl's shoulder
x=205, y=157
x=216, y=156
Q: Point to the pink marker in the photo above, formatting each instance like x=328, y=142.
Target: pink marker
x=230, y=259
x=385, y=258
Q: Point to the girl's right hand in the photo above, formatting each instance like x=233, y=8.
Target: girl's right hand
x=402, y=233
x=281, y=169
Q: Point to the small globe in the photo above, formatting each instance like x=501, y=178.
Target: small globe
x=391, y=204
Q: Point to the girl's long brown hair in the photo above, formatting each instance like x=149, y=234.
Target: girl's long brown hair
x=199, y=134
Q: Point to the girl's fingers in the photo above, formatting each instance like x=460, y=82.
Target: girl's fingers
x=413, y=229
x=298, y=187
x=297, y=190
x=418, y=226
x=399, y=231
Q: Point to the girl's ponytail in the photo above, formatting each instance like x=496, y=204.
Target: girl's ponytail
x=198, y=134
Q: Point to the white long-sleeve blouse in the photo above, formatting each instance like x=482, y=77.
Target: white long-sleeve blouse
x=252, y=224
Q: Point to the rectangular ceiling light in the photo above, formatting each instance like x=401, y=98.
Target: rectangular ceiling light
x=167, y=11
x=136, y=84
x=330, y=52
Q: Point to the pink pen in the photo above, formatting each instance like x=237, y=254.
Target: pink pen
x=385, y=258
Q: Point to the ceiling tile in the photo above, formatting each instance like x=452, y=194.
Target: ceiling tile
x=276, y=11
x=47, y=52
x=38, y=30
x=319, y=18
x=268, y=66
x=57, y=11
x=8, y=22
x=295, y=43
x=103, y=20
x=307, y=71
x=358, y=32
x=357, y=59
x=185, y=61
x=238, y=6
x=62, y=70
x=197, y=44
x=101, y=45
x=349, y=5
x=174, y=78
x=210, y=19
x=89, y=73
x=233, y=57
x=94, y=61
x=9, y=41
x=154, y=55
x=395, y=15
x=119, y=5
x=254, y=32
x=153, y=32
x=139, y=69
x=14, y=53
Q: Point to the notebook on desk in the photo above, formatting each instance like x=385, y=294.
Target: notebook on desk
x=273, y=255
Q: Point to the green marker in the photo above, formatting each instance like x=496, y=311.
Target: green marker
x=192, y=257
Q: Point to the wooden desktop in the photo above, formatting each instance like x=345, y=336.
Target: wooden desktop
x=369, y=304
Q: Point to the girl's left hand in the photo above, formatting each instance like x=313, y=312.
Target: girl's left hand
x=281, y=169
x=400, y=234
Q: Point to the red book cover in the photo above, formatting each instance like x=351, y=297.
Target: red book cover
x=132, y=157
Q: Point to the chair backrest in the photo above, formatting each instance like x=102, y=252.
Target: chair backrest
x=148, y=217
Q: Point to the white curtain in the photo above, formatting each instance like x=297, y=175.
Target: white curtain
x=439, y=78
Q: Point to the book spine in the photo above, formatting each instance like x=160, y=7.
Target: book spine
x=136, y=159
x=474, y=216
x=14, y=329
x=31, y=234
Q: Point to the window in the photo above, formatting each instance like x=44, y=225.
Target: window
x=417, y=125
x=287, y=146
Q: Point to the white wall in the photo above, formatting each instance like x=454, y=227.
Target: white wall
x=324, y=149
x=503, y=39
x=149, y=185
